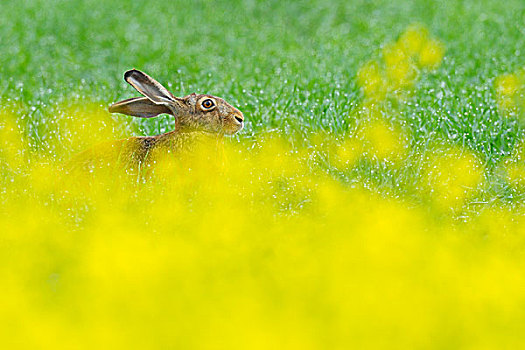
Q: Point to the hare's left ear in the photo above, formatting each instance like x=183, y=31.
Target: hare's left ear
x=139, y=107
x=149, y=87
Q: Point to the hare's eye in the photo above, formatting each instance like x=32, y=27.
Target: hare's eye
x=208, y=103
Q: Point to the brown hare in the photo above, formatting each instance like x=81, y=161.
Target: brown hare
x=197, y=117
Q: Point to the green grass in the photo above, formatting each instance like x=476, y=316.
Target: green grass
x=290, y=242
x=289, y=66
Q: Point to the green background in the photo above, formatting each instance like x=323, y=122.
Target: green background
x=288, y=65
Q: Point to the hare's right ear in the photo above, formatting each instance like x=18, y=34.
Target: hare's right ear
x=139, y=107
x=149, y=87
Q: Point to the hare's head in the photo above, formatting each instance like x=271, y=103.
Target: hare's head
x=193, y=112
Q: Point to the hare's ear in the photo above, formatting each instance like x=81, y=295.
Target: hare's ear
x=139, y=107
x=149, y=87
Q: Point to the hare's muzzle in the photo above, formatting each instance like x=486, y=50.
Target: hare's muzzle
x=238, y=117
x=236, y=122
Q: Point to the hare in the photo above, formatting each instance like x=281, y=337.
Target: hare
x=197, y=117
x=192, y=113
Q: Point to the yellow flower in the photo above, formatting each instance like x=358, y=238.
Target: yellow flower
x=507, y=85
x=508, y=88
x=515, y=166
x=516, y=174
x=77, y=128
x=348, y=153
x=255, y=249
x=413, y=39
x=451, y=176
x=400, y=69
x=12, y=142
x=431, y=54
x=382, y=140
x=372, y=81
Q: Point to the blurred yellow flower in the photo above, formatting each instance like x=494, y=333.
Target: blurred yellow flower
x=431, y=54
x=253, y=247
x=382, y=140
x=348, y=152
x=451, y=176
x=514, y=167
x=413, y=39
x=372, y=81
x=402, y=59
x=516, y=174
x=507, y=85
x=400, y=70
x=77, y=128
x=12, y=142
x=510, y=90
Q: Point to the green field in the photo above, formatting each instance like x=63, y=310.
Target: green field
x=288, y=67
x=378, y=185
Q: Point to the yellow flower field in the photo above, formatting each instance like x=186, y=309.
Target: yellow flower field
x=254, y=249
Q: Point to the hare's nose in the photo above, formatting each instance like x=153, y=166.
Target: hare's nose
x=240, y=119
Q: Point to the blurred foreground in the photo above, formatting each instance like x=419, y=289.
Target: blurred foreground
x=260, y=247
